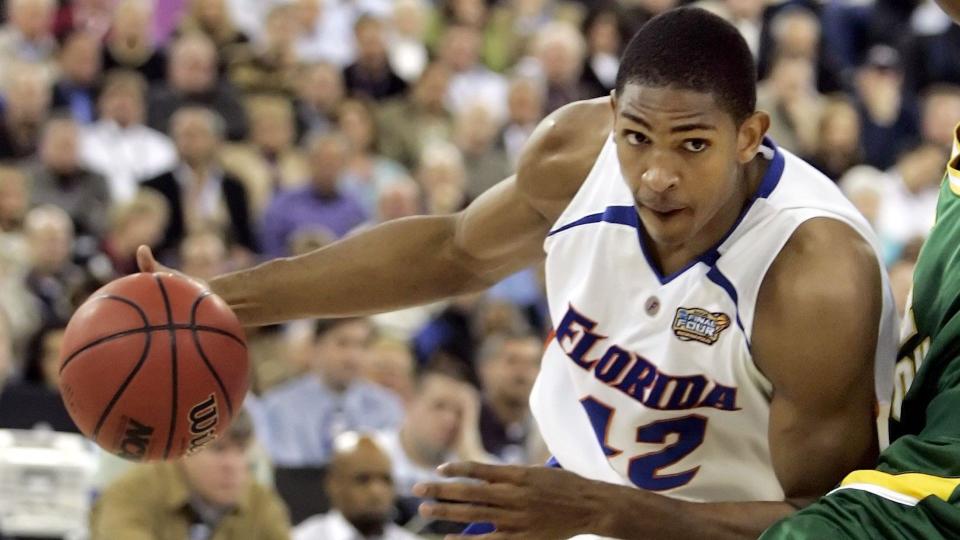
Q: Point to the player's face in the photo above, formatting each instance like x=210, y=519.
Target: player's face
x=680, y=154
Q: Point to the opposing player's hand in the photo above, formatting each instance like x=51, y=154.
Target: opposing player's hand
x=528, y=503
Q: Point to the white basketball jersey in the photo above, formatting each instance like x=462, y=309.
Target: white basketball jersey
x=649, y=380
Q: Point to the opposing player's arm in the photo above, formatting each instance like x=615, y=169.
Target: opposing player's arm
x=422, y=259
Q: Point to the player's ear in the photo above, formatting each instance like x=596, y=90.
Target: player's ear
x=613, y=101
x=750, y=135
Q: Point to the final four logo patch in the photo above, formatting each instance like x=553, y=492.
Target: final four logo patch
x=695, y=324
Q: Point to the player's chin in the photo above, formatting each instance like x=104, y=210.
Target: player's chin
x=667, y=228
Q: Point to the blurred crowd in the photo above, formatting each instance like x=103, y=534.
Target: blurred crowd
x=227, y=132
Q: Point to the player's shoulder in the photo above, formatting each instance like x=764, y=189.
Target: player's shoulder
x=828, y=256
x=563, y=148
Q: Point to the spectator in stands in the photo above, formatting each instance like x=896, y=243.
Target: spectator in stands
x=35, y=401
x=371, y=75
x=130, y=43
x=25, y=110
x=89, y=16
x=58, y=284
x=270, y=66
x=560, y=50
x=367, y=173
x=309, y=412
x=27, y=36
x=940, y=113
x=838, y=138
x=213, y=19
x=407, y=125
x=910, y=204
x=399, y=200
x=471, y=82
x=326, y=32
x=19, y=305
x=269, y=162
x=604, y=38
x=391, y=365
x=80, y=62
x=525, y=110
x=866, y=187
x=208, y=495
x=746, y=15
x=320, y=90
x=512, y=25
x=508, y=364
x=320, y=205
x=790, y=96
x=200, y=194
x=119, y=146
x=441, y=425
x=192, y=80
x=794, y=32
x=444, y=178
x=132, y=223
x=58, y=178
x=475, y=133
x=361, y=490
x=888, y=117
x=406, y=50
x=204, y=255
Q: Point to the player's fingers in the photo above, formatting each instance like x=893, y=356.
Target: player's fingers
x=145, y=260
x=469, y=513
x=483, y=471
x=503, y=495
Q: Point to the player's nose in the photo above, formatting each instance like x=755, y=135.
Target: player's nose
x=659, y=178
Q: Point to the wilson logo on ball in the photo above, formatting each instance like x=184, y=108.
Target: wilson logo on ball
x=135, y=441
x=203, y=419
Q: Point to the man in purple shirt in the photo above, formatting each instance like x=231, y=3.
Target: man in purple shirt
x=319, y=207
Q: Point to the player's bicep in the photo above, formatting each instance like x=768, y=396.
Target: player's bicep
x=815, y=339
x=500, y=232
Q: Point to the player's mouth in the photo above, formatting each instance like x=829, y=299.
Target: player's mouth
x=663, y=212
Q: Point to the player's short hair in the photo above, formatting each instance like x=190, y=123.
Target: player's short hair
x=693, y=49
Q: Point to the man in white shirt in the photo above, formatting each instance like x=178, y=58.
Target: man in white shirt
x=119, y=146
x=360, y=486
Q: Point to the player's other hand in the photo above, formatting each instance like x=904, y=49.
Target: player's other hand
x=523, y=503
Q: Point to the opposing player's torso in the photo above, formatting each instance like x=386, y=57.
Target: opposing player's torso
x=650, y=380
x=931, y=329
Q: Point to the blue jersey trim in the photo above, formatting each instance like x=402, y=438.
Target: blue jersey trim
x=716, y=276
x=627, y=215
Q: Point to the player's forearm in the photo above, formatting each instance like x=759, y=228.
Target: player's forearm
x=399, y=264
x=632, y=514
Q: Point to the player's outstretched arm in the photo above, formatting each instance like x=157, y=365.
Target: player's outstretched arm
x=422, y=259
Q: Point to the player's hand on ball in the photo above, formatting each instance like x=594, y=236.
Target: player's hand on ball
x=528, y=503
x=148, y=263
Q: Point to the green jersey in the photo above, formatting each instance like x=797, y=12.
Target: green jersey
x=925, y=413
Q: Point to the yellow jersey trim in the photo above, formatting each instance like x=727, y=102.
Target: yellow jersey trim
x=953, y=174
x=914, y=485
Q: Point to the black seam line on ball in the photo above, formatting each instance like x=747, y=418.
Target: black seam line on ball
x=175, y=387
x=203, y=355
x=131, y=303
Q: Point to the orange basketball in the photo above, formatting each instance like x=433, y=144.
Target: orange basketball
x=153, y=366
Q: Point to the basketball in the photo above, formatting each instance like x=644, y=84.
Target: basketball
x=153, y=366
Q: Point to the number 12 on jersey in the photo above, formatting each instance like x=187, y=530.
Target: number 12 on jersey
x=644, y=469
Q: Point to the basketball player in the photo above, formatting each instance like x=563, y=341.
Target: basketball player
x=721, y=315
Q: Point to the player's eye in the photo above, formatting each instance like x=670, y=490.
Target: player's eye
x=635, y=139
x=695, y=145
